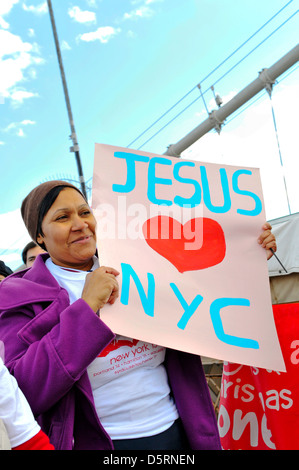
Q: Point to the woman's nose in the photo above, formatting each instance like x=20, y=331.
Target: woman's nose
x=78, y=223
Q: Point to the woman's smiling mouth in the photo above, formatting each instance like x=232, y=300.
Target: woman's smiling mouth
x=82, y=240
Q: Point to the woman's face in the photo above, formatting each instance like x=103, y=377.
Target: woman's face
x=69, y=229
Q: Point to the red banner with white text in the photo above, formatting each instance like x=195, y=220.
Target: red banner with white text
x=259, y=408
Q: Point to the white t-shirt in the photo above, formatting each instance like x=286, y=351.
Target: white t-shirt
x=128, y=379
x=15, y=411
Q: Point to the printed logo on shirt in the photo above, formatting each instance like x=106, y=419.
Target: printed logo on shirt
x=121, y=356
x=118, y=343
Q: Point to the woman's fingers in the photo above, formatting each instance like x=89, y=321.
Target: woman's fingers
x=101, y=287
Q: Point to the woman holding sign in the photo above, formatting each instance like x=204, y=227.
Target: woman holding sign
x=88, y=388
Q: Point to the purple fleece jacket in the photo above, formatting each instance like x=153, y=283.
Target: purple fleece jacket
x=48, y=346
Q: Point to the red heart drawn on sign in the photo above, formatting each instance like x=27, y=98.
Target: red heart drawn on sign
x=198, y=244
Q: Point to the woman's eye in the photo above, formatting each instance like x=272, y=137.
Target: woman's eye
x=61, y=217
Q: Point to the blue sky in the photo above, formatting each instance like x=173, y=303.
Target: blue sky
x=127, y=62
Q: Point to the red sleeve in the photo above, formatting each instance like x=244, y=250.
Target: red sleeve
x=38, y=442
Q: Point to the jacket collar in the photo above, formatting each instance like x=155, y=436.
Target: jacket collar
x=35, y=284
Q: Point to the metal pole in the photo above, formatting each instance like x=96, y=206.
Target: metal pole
x=75, y=147
x=216, y=118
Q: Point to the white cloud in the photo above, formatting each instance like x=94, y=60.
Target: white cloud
x=14, y=125
x=102, y=34
x=65, y=46
x=38, y=9
x=5, y=8
x=13, y=260
x=16, y=59
x=12, y=241
x=11, y=72
x=131, y=34
x=17, y=127
x=142, y=12
x=10, y=126
x=145, y=2
x=250, y=141
x=20, y=95
x=21, y=133
x=28, y=122
x=82, y=16
x=3, y=23
x=91, y=3
x=31, y=32
x=12, y=44
x=32, y=73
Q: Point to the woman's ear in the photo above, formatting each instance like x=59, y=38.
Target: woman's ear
x=40, y=242
x=40, y=239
